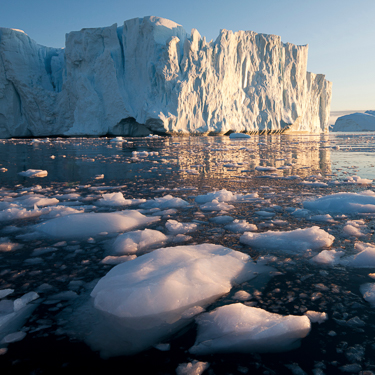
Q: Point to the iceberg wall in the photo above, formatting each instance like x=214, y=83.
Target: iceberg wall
x=149, y=75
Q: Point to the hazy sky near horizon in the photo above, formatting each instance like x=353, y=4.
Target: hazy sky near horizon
x=340, y=33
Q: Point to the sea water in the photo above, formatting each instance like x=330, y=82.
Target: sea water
x=51, y=277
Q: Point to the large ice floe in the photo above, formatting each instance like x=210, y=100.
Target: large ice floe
x=91, y=224
x=150, y=75
x=344, y=203
x=240, y=328
x=142, y=302
x=298, y=240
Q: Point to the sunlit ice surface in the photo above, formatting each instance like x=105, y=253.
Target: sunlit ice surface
x=88, y=205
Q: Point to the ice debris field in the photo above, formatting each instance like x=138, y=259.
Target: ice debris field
x=188, y=255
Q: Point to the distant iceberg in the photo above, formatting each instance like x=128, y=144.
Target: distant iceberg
x=150, y=76
x=355, y=122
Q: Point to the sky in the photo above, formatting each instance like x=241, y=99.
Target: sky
x=340, y=33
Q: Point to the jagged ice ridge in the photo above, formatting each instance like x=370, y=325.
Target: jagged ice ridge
x=149, y=75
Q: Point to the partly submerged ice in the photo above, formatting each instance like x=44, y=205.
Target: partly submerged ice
x=142, y=302
x=92, y=224
x=344, y=203
x=240, y=328
x=298, y=240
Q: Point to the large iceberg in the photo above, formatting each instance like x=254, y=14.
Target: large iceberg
x=355, y=122
x=149, y=75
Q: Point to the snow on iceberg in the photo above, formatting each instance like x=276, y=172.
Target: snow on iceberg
x=298, y=240
x=344, y=203
x=141, y=303
x=245, y=329
x=91, y=224
x=121, y=89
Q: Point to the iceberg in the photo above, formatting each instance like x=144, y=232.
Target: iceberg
x=150, y=76
x=355, y=122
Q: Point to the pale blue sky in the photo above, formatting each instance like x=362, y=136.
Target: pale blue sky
x=340, y=33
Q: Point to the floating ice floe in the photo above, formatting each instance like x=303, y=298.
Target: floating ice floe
x=224, y=219
x=239, y=136
x=117, y=199
x=345, y=203
x=357, y=180
x=316, y=317
x=265, y=169
x=322, y=218
x=91, y=224
x=355, y=228
x=144, y=301
x=34, y=173
x=225, y=196
x=13, y=315
x=328, y=257
x=175, y=227
x=298, y=240
x=215, y=205
x=245, y=329
x=240, y=226
x=168, y=201
x=368, y=291
x=35, y=199
x=192, y=368
x=113, y=260
x=314, y=184
x=132, y=242
x=364, y=259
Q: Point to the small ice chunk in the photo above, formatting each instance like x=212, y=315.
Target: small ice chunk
x=131, y=242
x=316, y=317
x=222, y=219
x=364, y=259
x=368, y=291
x=215, y=205
x=166, y=202
x=239, y=136
x=175, y=227
x=240, y=328
x=117, y=260
x=192, y=368
x=5, y=292
x=21, y=302
x=240, y=226
x=117, y=199
x=34, y=173
x=13, y=337
x=328, y=257
x=220, y=196
x=297, y=240
x=242, y=295
x=265, y=213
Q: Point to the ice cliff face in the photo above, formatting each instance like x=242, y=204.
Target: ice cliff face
x=150, y=75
